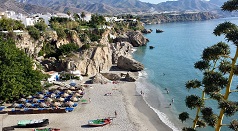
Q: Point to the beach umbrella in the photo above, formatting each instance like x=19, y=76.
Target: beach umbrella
x=60, y=99
x=43, y=105
x=49, y=100
x=22, y=100
x=45, y=91
x=29, y=97
x=53, y=95
x=61, y=88
x=79, y=91
x=57, y=91
x=77, y=94
x=69, y=91
x=65, y=95
x=40, y=96
x=69, y=103
x=72, y=88
x=56, y=104
x=52, y=89
x=28, y=105
x=75, y=99
x=35, y=100
x=15, y=105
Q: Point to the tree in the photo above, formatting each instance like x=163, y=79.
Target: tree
x=10, y=24
x=83, y=15
x=216, y=65
x=68, y=13
x=76, y=16
x=40, y=25
x=16, y=75
x=34, y=32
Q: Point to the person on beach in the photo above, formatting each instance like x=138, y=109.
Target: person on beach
x=141, y=92
x=167, y=91
x=172, y=100
x=115, y=114
x=89, y=99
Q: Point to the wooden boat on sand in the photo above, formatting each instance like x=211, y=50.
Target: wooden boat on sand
x=99, y=122
x=33, y=123
x=47, y=129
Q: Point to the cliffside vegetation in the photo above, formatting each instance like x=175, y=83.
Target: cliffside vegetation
x=10, y=25
x=17, y=76
x=219, y=68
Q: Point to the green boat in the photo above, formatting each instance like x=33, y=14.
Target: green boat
x=99, y=122
x=33, y=123
x=47, y=129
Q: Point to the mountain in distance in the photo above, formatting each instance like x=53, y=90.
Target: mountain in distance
x=218, y=2
x=12, y=5
x=124, y=6
x=93, y=6
x=189, y=5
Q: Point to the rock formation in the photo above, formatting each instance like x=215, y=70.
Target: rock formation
x=130, y=77
x=136, y=38
x=146, y=31
x=99, y=78
x=120, y=49
x=111, y=76
x=129, y=64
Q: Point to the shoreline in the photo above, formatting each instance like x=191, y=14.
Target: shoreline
x=142, y=116
x=133, y=112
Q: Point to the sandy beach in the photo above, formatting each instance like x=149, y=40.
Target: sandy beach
x=133, y=114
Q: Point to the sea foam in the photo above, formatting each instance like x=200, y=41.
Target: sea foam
x=143, y=85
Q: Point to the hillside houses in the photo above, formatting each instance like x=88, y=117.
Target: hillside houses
x=30, y=20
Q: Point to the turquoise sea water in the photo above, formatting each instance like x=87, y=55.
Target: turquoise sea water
x=171, y=63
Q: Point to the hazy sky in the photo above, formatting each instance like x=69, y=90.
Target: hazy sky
x=154, y=1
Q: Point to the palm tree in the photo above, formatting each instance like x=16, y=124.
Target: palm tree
x=83, y=15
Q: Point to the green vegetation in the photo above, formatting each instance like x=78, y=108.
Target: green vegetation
x=68, y=76
x=34, y=32
x=218, y=68
x=40, y=25
x=16, y=75
x=66, y=49
x=10, y=25
x=50, y=50
x=85, y=46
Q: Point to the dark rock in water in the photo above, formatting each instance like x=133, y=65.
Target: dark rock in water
x=151, y=47
x=159, y=31
x=130, y=77
x=146, y=31
x=129, y=64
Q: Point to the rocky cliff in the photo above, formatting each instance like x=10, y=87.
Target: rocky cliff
x=99, y=57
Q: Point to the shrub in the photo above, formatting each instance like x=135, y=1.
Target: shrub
x=34, y=32
x=85, y=46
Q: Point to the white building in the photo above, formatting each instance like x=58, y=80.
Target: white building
x=87, y=17
x=77, y=73
x=110, y=19
x=54, y=76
